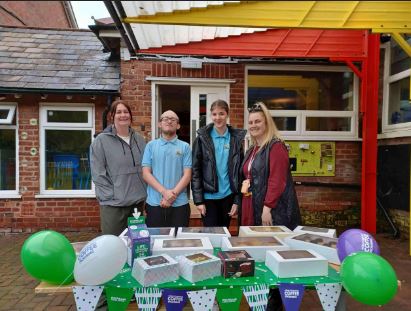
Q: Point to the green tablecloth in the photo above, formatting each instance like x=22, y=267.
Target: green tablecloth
x=262, y=275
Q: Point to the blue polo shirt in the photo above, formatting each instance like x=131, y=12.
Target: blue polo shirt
x=167, y=160
x=222, y=149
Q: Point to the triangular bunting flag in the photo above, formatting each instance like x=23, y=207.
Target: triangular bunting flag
x=148, y=298
x=86, y=297
x=202, y=300
x=229, y=299
x=118, y=299
x=256, y=296
x=292, y=295
x=329, y=294
x=174, y=299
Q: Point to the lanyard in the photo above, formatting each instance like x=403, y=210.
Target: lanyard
x=250, y=163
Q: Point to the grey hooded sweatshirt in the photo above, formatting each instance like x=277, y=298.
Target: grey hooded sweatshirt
x=116, y=168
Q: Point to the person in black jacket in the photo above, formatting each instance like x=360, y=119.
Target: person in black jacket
x=217, y=156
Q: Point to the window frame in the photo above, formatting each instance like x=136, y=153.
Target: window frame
x=301, y=115
x=45, y=125
x=12, y=194
x=399, y=129
x=10, y=116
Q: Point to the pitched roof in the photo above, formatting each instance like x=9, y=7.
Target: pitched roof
x=56, y=60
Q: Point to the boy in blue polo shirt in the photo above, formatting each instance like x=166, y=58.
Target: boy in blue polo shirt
x=167, y=171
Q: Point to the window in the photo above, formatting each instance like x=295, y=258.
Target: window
x=66, y=134
x=396, y=113
x=307, y=101
x=8, y=151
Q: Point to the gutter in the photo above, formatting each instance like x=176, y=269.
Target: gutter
x=113, y=13
x=8, y=90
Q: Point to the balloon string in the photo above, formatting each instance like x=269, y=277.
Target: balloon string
x=61, y=284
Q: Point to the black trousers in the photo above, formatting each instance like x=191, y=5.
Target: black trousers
x=178, y=216
x=217, y=212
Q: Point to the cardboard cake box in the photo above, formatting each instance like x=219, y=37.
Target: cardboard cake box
x=160, y=233
x=255, y=246
x=138, y=243
x=296, y=263
x=280, y=232
x=331, y=233
x=153, y=270
x=324, y=246
x=175, y=247
x=199, y=266
x=236, y=263
x=213, y=233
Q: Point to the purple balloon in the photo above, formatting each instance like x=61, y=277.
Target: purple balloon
x=356, y=240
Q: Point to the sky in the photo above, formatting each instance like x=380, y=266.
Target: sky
x=83, y=10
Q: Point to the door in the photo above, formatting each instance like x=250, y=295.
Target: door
x=201, y=99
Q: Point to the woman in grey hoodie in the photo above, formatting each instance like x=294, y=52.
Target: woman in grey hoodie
x=116, y=170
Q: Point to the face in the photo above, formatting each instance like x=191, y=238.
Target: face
x=122, y=116
x=169, y=123
x=256, y=124
x=219, y=117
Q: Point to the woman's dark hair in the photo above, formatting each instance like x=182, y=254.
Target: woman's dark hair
x=113, y=109
x=220, y=104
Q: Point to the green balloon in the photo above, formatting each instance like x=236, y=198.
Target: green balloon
x=49, y=256
x=369, y=278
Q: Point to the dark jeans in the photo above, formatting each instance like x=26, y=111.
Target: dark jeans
x=178, y=216
x=113, y=219
x=274, y=302
x=217, y=212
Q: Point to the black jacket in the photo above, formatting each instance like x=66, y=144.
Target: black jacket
x=204, y=177
x=287, y=211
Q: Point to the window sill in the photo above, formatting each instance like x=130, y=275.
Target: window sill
x=64, y=196
x=10, y=196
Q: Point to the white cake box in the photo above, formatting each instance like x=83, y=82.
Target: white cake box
x=323, y=245
x=296, y=263
x=153, y=270
x=160, y=233
x=280, y=232
x=331, y=233
x=255, y=246
x=213, y=233
x=175, y=247
x=200, y=266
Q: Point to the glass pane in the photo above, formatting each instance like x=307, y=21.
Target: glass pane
x=203, y=109
x=67, y=158
x=399, y=109
x=67, y=116
x=4, y=113
x=328, y=124
x=400, y=61
x=301, y=90
x=7, y=159
x=285, y=123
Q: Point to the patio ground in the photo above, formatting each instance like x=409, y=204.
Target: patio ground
x=17, y=287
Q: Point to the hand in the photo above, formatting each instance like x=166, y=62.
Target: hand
x=169, y=195
x=164, y=203
x=233, y=211
x=266, y=218
x=202, y=209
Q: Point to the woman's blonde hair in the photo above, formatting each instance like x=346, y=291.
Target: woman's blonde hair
x=271, y=131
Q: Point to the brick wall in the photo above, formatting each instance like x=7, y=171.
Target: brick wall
x=28, y=213
x=33, y=14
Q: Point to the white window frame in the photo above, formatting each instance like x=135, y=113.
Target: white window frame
x=10, y=115
x=12, y=194
x=399, y=129
x=45, y=125
x=301, y=115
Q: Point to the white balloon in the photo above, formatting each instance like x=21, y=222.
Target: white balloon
x=100, y=260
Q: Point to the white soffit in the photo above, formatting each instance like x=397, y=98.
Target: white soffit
x=155, y=36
